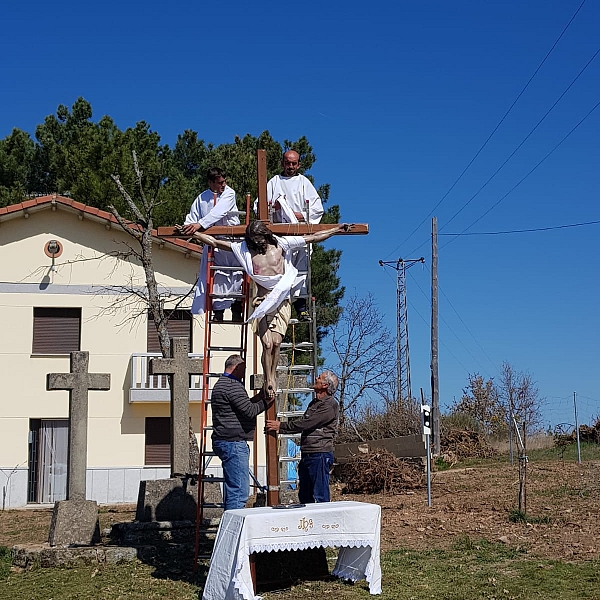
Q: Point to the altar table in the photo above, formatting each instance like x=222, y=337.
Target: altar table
x=353, y=527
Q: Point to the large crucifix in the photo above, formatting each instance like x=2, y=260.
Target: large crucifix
x=179, y=367
x=294, y=229
x=78, y=382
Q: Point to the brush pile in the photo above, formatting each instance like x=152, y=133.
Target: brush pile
x=461, y=444
x=379, y=471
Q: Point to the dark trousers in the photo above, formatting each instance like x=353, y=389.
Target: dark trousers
x=313, y=476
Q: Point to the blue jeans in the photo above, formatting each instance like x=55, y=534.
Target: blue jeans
x=235, y=459
x=313, y=476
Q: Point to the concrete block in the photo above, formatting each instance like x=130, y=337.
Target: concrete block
x=74, y=522
x=175, y=499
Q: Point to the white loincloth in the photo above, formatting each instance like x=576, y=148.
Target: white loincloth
x=279, y=286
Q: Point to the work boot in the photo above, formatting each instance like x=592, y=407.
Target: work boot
x=218, y=316
x=237, y=312
x=301, y=310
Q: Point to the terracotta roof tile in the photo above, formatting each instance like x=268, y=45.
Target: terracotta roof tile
x=92, y=211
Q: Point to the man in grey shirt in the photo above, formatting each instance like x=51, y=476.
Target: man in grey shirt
x=317, y=428
x=234, y=421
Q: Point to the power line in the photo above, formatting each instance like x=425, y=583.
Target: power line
x=522, y=141
x=470, y=332
x=523, y=230
x=494, y=130
x=452, y=330
x=526, y=175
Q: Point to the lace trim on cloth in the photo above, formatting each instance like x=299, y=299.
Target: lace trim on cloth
x=279, y=547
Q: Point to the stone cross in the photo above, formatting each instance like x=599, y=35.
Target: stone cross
x=78, y=382
x=179, y=367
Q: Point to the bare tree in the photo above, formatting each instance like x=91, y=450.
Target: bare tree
x=363, y=350
x=140, y=227
x=521, y=397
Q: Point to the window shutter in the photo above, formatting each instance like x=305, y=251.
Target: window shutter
x=56, y=330
x=158, y=441
x=180, y=325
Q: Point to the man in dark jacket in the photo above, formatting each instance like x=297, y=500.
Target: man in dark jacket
x=317, y=428
x=234, y=422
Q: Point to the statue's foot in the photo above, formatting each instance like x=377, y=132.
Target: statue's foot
x=270, y=392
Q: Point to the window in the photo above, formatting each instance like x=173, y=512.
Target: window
x=56, y=330
x=158, y=441
x=180, y=325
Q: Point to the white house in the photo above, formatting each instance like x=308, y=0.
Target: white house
x=63, y=288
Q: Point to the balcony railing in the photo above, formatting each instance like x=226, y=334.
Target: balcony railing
x=155, y=388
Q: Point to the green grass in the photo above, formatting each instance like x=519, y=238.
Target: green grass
x=589, y=452
x=565, y=491
x=470, y=570
x=518, y=516
x=4, y=563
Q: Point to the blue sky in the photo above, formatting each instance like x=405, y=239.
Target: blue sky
x=396, y=99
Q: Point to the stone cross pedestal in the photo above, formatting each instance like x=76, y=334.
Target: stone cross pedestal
x=179, y=367
x=75, y=520
x=174, y=499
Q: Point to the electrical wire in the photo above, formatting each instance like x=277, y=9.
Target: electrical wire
x=521, y=143
x=455, y=334
x=523, y=230
x=494, y=130
x=527, y=174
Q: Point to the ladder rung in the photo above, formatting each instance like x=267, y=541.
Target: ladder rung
x=296, y=321
x=211, y=479
x=295, y=368
x=296, y=390
x=225, y=349
x=212, y=505
x=288, y=481
x=227, y=295
x=294, y=413
x=298, y=345
x=289, y=436
x=226, y=322
x=289, y=459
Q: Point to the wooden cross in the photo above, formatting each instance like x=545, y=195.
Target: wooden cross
x=279, y=229
x=179, y=367
x=78, y=382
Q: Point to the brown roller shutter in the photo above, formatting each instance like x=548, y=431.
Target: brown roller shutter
x=158, y=441
x=56, y=330
x=180, y=325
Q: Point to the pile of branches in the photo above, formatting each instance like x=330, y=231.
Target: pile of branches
x=590, y=433
x=379, y=471
x=463, y=444
x=587, y=433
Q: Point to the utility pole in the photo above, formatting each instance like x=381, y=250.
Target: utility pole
x=435, y=392
x=403, y=388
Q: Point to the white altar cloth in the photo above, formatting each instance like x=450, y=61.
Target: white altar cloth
x=354, y=527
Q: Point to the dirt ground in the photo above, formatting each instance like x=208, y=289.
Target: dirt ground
x=563, y=504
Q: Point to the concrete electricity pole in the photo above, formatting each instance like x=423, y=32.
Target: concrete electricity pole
x=435, y=392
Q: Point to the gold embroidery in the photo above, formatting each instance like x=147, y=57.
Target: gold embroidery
x=305, y=524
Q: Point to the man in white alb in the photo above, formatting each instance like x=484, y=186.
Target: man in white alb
x=295, y=200
x=216, y=206
x=267, y=260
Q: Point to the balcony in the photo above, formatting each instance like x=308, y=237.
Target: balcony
x=155, y=388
